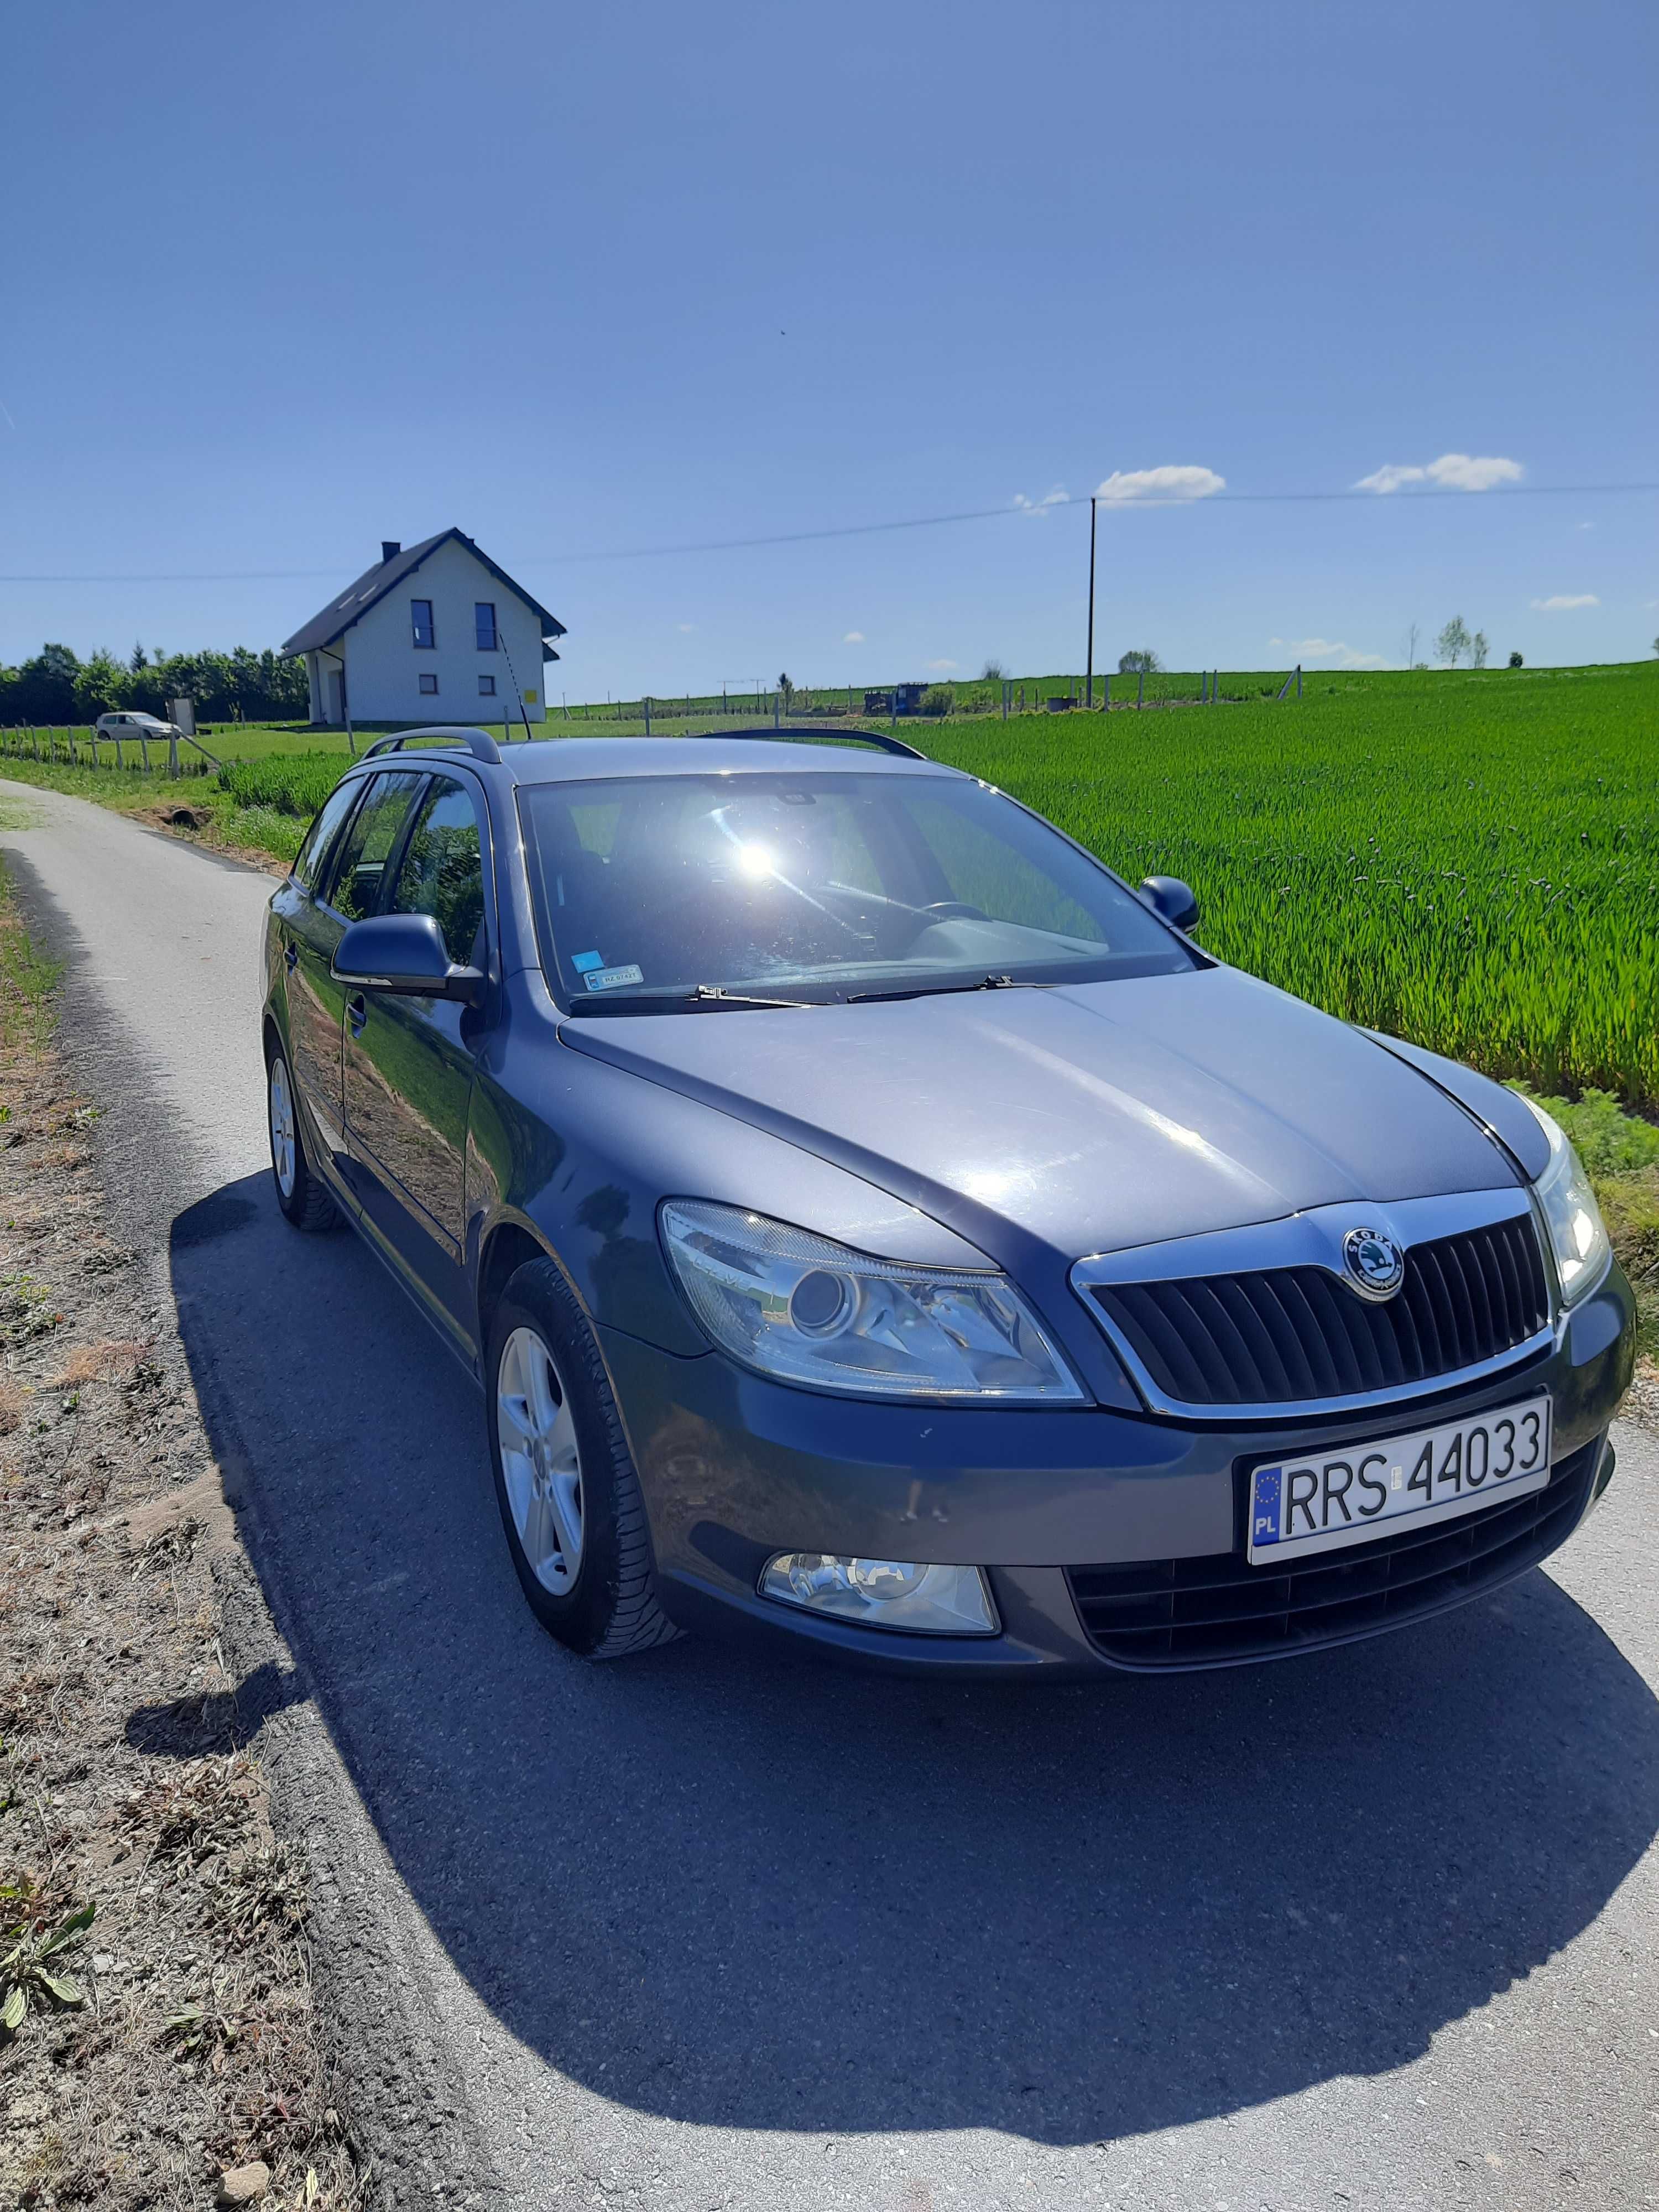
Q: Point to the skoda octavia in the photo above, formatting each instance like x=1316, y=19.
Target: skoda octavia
x=873, y=1222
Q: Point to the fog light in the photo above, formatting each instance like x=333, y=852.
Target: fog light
x=884, y=1592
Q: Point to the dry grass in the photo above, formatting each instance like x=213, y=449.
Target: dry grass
x=113, y=1361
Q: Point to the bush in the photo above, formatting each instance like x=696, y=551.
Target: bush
x=1609, y=1141
x=936, y=700
x=1514, y=661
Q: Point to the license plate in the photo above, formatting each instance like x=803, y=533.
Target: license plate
x=1346, y=1493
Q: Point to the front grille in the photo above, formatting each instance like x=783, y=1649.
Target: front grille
x=1282, y=1335
x=1215, y=1611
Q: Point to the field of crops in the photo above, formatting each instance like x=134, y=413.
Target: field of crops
x=1471, y=861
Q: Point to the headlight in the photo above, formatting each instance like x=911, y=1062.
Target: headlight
x=808, y=1310
x=1578, y=1236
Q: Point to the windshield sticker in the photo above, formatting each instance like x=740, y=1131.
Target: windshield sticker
x=583, y=961
x=611, y=978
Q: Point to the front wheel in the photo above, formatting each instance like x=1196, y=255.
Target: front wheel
x=303, y=1199
x=568, y=1496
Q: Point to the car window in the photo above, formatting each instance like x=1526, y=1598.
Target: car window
x=981, y=867
x=442, y=872
x=320, y=835
x=828, y=884
x=369, y=842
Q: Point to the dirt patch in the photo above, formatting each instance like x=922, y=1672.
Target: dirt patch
x=157, y=2026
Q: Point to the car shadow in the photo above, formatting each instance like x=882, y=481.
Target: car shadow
x=740, y=1893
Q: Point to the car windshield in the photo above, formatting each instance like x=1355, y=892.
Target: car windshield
x=818, y=887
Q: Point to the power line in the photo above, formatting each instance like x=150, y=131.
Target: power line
x=867, y=530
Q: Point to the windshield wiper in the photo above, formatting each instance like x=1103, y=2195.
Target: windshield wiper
x=943, y=990
x=709, y=997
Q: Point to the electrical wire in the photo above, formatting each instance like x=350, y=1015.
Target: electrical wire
x=865, y=530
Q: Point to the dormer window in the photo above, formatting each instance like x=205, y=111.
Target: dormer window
x=420, y=616
x=483, y=615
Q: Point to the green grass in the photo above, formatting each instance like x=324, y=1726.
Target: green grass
x=1472, y=861
x=28, y=981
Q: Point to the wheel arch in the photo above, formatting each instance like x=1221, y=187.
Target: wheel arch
x=506, y=1246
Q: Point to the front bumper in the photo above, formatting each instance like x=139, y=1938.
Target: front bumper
x=734, y=1468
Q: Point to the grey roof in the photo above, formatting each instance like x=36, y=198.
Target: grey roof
x=339, y=616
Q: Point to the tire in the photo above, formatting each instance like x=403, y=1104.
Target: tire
x=305, y=1200
x=569, y=1495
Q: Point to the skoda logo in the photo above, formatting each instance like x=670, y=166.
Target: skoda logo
x=1375, y=1262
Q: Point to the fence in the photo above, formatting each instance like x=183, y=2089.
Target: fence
x=891, y=704
x=76, y=748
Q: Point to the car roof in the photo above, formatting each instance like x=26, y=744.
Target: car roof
x=573, y=760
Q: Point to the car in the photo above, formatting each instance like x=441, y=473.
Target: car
x=134, y=726
x=876, y=1226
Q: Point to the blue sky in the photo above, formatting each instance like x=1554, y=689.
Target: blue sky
x=281, y=282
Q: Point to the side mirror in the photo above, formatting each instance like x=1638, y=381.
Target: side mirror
x=404, y=953
x=1176, y=901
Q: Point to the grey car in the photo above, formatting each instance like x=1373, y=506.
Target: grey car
x=873, y=1224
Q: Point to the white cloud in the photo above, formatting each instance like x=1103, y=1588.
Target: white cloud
x=853, y=637
x=1452, y=473
x=1160, y=486
x=686, y=628
x=1562, y=603
x=1056, y=496
x=1390, y=478
x=1583, y=525
x=1334, y=651
x=941, y=665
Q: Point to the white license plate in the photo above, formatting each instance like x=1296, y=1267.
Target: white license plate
x=1345, y=1493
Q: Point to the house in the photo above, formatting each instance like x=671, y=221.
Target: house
x=432, y=633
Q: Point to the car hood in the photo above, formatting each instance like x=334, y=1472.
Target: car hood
x=1081, y=1118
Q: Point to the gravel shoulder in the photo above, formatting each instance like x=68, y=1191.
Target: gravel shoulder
x=250, y=1984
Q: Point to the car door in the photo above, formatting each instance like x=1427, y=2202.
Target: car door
x=349, y=888
x=311, y=1002
x=410, y=1061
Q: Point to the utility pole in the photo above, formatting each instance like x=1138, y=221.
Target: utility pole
x=1092, y=504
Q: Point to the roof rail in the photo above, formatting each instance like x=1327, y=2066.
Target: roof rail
x=479, y=743
x=879, y=737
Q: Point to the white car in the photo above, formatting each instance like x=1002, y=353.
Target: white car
x=134, y=726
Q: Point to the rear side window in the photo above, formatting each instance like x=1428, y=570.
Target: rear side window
x=370, y=842
x=442, y=872
x=321, y=834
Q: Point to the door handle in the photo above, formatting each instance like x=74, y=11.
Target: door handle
x=356, y=1013
x=291, y=959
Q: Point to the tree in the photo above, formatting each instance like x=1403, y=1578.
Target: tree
x=100, y=684
x=1515, y=658
x=994, y=672
x=1136, y=663
x=1478, y=649
x=139, y=660
x=786, y=692
x=1453, y=643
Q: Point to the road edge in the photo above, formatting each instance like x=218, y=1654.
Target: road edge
x=418, y=2142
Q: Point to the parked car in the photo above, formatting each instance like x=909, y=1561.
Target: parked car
x=133, y=725
x=873, y=1221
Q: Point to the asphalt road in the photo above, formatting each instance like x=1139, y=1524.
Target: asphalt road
x=1374, y=1929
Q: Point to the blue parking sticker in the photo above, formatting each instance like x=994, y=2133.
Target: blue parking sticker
x=581, y=961
x=1264, y=1511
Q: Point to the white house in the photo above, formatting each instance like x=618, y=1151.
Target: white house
x=433, y=633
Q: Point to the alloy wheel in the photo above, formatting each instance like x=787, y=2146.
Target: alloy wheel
x=281, y=1127
x=541, y=1462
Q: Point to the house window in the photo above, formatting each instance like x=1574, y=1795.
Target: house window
x=486, y=687
x=420, y=615
x=483, y=615
x=430, y=687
